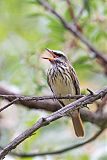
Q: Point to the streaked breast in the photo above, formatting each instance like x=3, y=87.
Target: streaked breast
x=61, y=82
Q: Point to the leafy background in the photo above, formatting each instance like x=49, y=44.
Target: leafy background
x=26, y=29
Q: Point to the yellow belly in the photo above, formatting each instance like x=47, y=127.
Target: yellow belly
x=63, y=86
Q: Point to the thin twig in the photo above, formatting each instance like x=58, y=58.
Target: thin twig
x=79, y=14
x=40, y=98
x=9, y=104
x=52, y=117
x=33, y=98
x=70, y=10
x=61, y=151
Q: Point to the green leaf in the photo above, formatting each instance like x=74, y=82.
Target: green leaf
x=84, y=157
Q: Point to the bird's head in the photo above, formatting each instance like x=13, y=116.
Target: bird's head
x=56, y=57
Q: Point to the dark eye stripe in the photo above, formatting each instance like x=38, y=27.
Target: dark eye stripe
x=58, y=54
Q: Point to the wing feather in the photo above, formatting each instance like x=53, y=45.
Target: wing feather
x=75, y=79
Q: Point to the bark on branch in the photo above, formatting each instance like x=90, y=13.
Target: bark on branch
x=88, y=99
x=50, y=105
x=18, y=98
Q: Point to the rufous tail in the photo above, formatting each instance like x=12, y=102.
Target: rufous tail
x=77, y=123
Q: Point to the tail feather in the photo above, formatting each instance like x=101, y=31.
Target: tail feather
x=77, y=123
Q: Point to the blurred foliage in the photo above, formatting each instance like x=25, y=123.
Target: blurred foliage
x=26, y=29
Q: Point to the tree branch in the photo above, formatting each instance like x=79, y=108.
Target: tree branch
x=52, y=106
x=19, y=98
x=88, y=99
x=40, y=98
x=73, y=29
x=47, y=105
x=61, y=151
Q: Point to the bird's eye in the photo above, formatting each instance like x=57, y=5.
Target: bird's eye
x=57, y=54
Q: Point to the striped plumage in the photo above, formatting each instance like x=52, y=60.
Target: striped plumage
x=63, y=80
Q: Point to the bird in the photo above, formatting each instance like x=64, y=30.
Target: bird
x=62, y=80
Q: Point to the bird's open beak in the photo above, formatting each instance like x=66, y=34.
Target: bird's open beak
x=49, y=58
x=52, y=54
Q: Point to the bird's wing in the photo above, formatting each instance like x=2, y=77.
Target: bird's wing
x=49, y=81
x=75, y=79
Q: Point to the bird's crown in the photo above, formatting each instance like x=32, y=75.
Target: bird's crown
x=56, y=53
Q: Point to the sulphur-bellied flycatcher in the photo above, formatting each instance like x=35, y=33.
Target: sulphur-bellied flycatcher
x=63, y=80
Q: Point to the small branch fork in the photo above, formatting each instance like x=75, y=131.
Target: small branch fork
x=88, y=99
